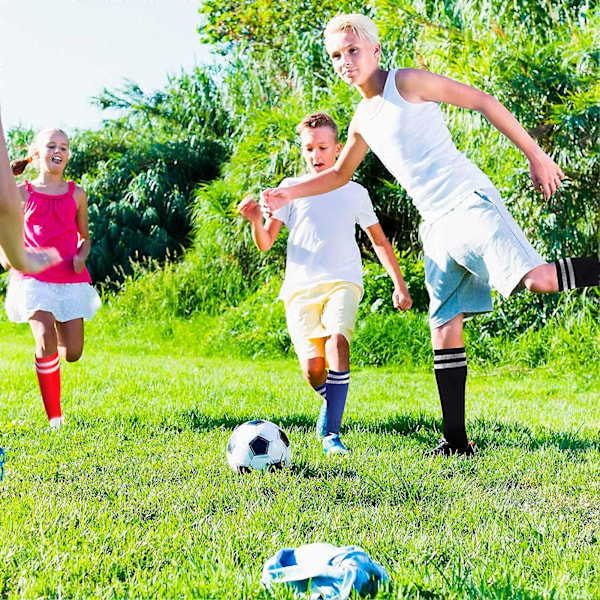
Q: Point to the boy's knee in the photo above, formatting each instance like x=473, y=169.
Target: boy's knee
x=338, y=343
x=314, y=371
x=449, y=334
x=542, y=279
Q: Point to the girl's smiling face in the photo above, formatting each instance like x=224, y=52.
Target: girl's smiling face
x=52, y=150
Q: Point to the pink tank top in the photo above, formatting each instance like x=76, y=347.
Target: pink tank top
x=50, y=222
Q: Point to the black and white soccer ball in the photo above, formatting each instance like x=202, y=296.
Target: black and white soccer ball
x=258, y=445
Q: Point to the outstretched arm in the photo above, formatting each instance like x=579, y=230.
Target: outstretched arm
x=12, y=249
x=326, y=181
x=417, y=85
x=264, y=233
x=385, y=253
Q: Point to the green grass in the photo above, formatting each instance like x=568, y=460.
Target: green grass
x=134, y=497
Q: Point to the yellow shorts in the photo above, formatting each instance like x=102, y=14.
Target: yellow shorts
x=315, y=314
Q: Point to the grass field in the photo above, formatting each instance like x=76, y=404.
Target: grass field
x=134, y=498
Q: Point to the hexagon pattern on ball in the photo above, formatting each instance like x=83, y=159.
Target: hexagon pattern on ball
x=258, y=445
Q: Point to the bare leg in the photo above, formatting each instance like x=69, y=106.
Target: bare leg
x=314, y=371
x=448, y=335
x=43, y=326
x=337, y=350
x=70, y=339
x=542, y=279
x=564, y=274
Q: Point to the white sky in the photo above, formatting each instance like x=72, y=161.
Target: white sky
x=57, y=54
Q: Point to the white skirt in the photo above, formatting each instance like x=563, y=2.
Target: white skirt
x=66, y=301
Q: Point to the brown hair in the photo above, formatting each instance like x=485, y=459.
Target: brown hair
x=316, y=120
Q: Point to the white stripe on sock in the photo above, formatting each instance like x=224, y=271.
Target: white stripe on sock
x=47, y=369
x=442, y=357
x=563, y=271
x=450, y=365
x=338, y=375
x=569, y=263
x=322, y=391
x=338, y=380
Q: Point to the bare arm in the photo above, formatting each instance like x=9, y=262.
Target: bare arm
x=264, y=233
x=83, y=228
x=326, y=181
x=385, y=253
x=417, y=85
x=12, y=248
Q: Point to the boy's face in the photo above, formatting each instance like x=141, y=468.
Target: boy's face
x=319, y=148
x=354, y=60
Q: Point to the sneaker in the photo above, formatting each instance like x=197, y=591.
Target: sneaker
x=56, y=422
x=444, y=448
x=332, y=444
x=322, y=421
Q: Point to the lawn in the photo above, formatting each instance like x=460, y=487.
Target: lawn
x=134, y=498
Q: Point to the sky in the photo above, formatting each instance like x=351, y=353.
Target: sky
x=55, y=55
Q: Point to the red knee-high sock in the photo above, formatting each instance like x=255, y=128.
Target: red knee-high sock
x=48, y=372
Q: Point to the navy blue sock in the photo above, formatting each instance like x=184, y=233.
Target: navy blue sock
x=450, y=368
x=337, y=392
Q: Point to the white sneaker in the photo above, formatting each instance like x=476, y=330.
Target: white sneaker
x=332, y=444
x=56, y=422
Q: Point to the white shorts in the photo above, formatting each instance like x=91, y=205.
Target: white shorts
x=472, y=248
x=66, y=301
x=315, y=314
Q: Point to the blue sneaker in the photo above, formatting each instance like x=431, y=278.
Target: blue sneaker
x=332, y=444
x=322, y=421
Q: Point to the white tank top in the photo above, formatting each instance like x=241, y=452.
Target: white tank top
x=414, y=144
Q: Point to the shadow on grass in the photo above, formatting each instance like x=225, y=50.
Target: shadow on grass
x=465, y=587
x=487, y=433
x=493, y=434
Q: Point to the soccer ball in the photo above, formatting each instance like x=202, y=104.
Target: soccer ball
x=258, y=445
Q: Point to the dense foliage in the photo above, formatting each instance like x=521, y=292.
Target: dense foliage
x=236, y=123
x=140, y=170
x=541, y=62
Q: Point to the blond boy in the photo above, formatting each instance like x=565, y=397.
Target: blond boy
x=471, y=243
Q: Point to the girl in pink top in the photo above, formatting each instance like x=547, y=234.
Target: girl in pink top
x=55, y=301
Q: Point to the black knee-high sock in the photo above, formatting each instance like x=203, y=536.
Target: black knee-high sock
x=450, y=368
x=577, y=272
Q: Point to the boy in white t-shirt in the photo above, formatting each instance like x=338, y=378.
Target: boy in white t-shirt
x=323, y=279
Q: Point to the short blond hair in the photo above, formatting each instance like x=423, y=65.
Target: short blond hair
x=361, y=25
x=316, y=120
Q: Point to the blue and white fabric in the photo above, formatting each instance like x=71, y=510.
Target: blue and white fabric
x=324, y=572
